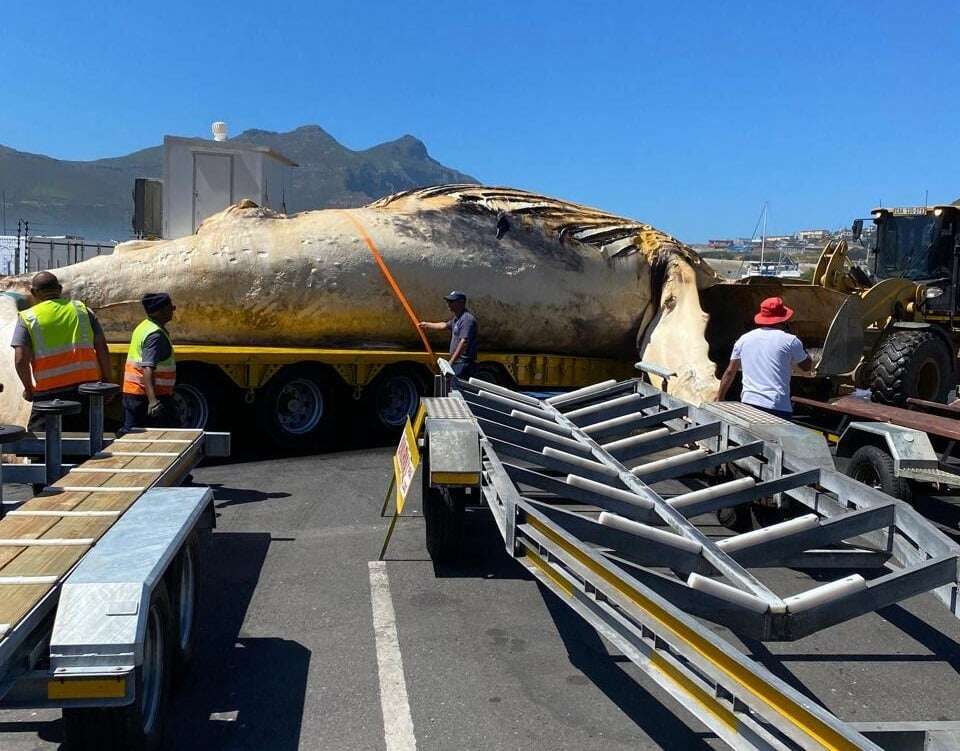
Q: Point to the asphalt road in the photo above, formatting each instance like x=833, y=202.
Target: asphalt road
x=490, y=660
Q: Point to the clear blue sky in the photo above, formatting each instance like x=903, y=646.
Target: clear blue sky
x=684, y=114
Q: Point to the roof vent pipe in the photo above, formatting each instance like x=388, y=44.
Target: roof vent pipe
x=219, y=129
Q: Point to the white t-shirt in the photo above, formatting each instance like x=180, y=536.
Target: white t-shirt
x=767, y=357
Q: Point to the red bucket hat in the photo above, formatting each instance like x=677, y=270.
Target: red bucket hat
x=773, y=311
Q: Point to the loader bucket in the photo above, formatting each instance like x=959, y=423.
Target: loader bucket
x=731, y=308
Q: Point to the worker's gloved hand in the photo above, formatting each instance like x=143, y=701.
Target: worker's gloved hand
x=155, y=409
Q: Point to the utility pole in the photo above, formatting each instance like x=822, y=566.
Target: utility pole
x=16, y=250
x=3, y=210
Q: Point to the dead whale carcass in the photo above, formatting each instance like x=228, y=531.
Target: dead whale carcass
x=543, y=275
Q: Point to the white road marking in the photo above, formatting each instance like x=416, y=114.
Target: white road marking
x=397, y=722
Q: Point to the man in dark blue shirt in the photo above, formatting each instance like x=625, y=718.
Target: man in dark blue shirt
x=463, y=334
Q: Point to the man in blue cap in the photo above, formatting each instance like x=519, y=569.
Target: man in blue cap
x=463, y=334
x=151, y=370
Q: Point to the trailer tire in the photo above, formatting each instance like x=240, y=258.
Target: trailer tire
x=443, y=511
x=199, y=397
x=137, y=726
x=873, y=466
x=911, y=363
x=296, y=409
x=186, y=575
x=736, y=518
x=393, y=396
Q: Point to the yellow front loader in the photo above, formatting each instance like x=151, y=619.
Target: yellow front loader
x=889, y=325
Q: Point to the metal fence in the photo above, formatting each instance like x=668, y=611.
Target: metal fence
x=32, y=254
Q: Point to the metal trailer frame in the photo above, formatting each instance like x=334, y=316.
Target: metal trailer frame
x=93, y=626
x=80, y=645
x=914, y=457
x=575, y=507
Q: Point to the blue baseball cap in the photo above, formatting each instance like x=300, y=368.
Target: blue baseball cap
x=455, y=295
x=154, y=301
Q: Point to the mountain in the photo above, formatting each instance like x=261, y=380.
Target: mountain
x=94, y=199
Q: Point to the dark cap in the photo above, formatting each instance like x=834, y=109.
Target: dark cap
x=154, y=301
x=454, y=296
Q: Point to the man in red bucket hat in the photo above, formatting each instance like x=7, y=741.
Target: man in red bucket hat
x=767, y=356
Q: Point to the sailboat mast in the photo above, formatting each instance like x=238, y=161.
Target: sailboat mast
x=763, y=236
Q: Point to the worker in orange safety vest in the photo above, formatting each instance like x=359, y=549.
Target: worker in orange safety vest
x=150, y=374
x=58, y=344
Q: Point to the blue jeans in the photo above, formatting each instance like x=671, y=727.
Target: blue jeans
x=464, y=370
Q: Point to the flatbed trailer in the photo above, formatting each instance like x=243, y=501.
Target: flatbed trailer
x=892, y=448
x=594, y=493
x=99, y=574
x=297, y=394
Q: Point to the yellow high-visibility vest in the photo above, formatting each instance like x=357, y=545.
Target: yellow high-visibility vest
x=164, y=373
x=61, y=337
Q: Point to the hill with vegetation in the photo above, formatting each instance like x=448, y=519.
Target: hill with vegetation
x=94, y=199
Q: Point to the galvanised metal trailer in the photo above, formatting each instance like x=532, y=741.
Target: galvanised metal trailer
x=890, y=448
x=578, y=485
x=99, y=575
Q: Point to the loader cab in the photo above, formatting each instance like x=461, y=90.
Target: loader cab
x=921, y=244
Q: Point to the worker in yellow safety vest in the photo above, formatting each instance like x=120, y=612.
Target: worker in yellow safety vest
x=58, y=344
x=151, y=370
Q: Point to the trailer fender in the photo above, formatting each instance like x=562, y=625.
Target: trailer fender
x=101, y=621
x=909, y=448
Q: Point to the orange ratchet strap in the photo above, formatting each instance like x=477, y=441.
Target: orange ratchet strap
x=397, y=292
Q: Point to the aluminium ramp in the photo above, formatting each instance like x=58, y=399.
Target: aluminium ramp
x=576, y=483
x=592, y=462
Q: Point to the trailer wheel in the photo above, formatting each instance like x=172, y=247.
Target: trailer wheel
x=736, y=518
x=198, y=398
x=185, y=579
x=874, y=467
x=296, y=408
x=137, y=726
x=393, y=396
x=767, y=516
x=443, y=519
x=911, y=363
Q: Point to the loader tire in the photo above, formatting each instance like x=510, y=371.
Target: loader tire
x=911, y=364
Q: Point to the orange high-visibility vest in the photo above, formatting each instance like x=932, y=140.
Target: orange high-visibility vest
x=61, y=337
x=164, y=372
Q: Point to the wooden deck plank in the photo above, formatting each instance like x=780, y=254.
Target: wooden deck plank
x=104, y=480
x=17, y=527
x=55, y=501
x=73, y=479
x=7, y=554
x=108, y=502
x=77, y=527
x=14, y=527
x=44, y=561
x=17, y=600
x=109, y=462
